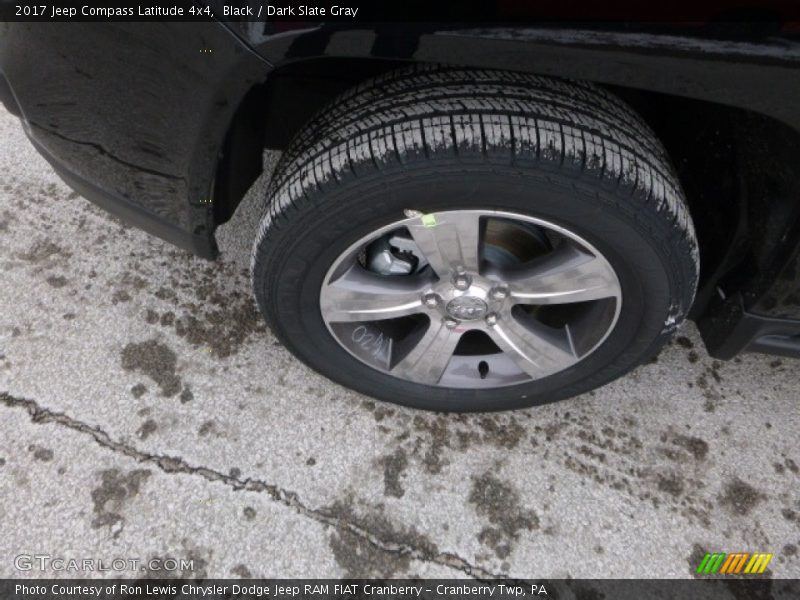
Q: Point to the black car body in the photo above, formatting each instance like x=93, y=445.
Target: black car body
x=163, y=123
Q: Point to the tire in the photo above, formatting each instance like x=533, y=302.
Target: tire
x=545, y=156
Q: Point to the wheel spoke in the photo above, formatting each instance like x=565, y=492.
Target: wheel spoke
x=537, y=350
x=563, y=277
x=428, y=358
x=449, y=240
x=359, y=295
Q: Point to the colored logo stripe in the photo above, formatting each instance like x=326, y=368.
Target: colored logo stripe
x=732, y=564
x=711, y=563
x=758, y=564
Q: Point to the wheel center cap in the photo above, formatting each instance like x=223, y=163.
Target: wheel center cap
x=467, y=308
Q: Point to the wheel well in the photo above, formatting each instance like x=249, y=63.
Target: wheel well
x=737, y=170
x=731, y=162
x=273, y=112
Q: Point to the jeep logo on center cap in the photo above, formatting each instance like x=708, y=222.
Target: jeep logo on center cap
x=466, y=308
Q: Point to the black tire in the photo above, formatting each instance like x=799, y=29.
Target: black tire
x=434, y=138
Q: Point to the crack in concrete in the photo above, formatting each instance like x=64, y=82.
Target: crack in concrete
x=289, y=499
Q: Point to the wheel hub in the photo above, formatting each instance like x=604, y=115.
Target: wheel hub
x=467, y=308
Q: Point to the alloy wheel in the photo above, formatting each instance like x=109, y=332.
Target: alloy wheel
x=470, y=298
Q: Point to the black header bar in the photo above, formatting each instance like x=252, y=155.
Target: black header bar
x=685, y=12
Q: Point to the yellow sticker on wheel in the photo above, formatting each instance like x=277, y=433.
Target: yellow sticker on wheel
x=429, y=220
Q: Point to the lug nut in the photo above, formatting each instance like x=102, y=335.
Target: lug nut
x=450, y=323
x=491, y=319
x=461, y=280
x=499, y=293
x=431, y=300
